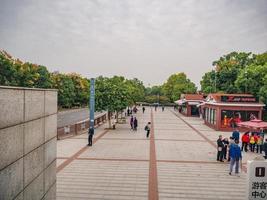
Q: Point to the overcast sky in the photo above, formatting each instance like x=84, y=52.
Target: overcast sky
x=146, y=39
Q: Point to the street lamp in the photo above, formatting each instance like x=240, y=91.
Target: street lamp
x=246, y=83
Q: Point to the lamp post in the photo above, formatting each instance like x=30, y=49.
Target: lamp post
x=92, y=112
x=246, y=83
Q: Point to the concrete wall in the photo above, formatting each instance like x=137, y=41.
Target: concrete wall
x=28, y=128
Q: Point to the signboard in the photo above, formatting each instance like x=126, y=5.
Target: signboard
x=257, y=180
x=242, y=99
x=92, y=104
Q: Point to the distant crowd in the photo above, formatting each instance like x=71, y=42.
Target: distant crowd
x=231, y=151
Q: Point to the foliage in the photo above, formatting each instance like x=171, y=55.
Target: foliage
x=66, y=89
x=136, y=90
x=176, y=85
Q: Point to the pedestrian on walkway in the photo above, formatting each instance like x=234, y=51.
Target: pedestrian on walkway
x=162, y=108
x=245, y=141
x=236, y=134
x=231, y=142
x=144, y=109
x=220, y=149
x=225, y=147
x=147, y=129
x=135, y=124
x=265, y=148
x=131, y=122
x=90, y=137
x=252, y=142
x=259, y=144
x=235, y=156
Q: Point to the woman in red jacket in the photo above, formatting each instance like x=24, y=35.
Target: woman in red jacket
x=245, y=141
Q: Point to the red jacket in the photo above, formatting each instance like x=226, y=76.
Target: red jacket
x=245, y=138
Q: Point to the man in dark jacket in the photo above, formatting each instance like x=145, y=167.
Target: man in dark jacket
x=220, y=146
x=265, y=148
x=235, y=157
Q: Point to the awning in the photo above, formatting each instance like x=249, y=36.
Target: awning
x=180, y=102
x=254, y=124
x=194, y=103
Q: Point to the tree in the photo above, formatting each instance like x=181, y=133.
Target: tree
x=81, y=89
x=251, y=79
x=66, y=89
x=111, y=95
x=8, y=74
x=227, y=69
x=136, y=90
x=178, y=84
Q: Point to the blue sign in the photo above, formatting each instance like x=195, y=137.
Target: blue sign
x=92, y=104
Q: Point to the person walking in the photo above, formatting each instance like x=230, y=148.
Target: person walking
x=231, y=142
x=90, y=137
x=135, y=124
x=131, y=122
x=220, y=149
x=245, y=141
x=225, y=148
x=259, y=144
x=235, y=157
x=265, y=148
x=252, y=142
x=236, y=134
x=162, y=107
x=147, y=129
x=144, y=109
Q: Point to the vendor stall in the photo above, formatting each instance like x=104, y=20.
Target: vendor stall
x=225, y=111
x=188, y=104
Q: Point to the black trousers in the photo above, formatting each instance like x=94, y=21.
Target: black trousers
x=219, y=155
x=90, y=140
x=147, y=133
x=244, y=145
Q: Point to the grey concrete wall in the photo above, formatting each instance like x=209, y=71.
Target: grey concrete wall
x=28, y=128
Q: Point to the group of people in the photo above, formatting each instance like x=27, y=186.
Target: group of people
x=230, y=150
x=134, y=123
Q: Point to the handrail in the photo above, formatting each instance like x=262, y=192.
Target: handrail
x=79, y=127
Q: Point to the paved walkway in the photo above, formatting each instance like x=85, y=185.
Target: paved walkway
x=177, y=162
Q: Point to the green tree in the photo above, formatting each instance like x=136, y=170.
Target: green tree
x=136, y=90
x=111, y=95
x=251, y=79
x=8, y=74
x=66, y=89
x=178, y=84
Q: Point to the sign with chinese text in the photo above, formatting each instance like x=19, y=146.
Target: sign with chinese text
x=242, y=99
x=257, y=180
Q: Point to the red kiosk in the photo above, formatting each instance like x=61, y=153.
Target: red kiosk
x=224, y=111
x=188, y=105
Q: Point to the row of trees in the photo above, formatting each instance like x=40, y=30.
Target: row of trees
x=113, y=94
x=238, y=73
x=171, y=90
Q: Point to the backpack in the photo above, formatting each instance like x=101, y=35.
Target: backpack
x=146, y=128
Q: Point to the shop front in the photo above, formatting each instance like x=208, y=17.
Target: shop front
x=225, y=111
x=188, y=105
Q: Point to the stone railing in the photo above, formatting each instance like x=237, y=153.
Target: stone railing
x=79, y=127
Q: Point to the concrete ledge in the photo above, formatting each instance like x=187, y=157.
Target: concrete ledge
x=50, y=175
x=50, y=102
x=50, y=127
x=11, y=183
x=36, y=189
x=34, y=104
x=33, y=134
x=33, y=164
x=51, y=194
x=11, y=145
x=50, y=152
x=11, y=104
